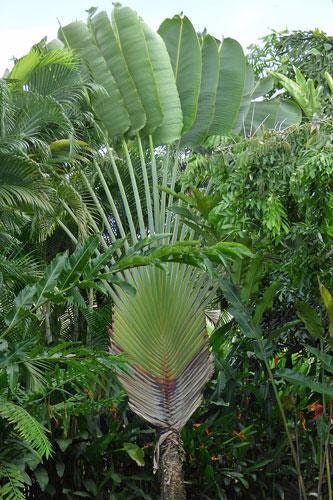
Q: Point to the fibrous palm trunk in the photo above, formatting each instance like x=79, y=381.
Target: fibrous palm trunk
x=171, y=468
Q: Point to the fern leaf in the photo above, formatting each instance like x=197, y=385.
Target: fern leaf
x=27, y=427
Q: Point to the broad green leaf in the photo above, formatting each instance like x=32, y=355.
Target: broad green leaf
x=312, y=321
x=135, y=453
x=114, y=58
x=64, y=443
x=219, y=335
x=96, y=264
x=306, y=381
x=109, y=108
x=325, y=359
x=328, y=302
x=77, y=262
x=184, y=212
x=246, y=99
x=183, y=47
x=266, y=302
x=238, y=310
x=170, y=129
x=329, y=80
x=262, y=87
x=274, y=114
x=128, y=28
x=51, y=275
x=60, y=468
x=90, y=486
x=42, y=477
x=252, y=278
x=23, y=301
x=207, y=96
x=124, y=285
x=232, y=77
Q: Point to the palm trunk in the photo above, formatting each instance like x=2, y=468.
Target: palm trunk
x=172, y=458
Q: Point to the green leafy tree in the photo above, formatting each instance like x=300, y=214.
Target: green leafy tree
x=307, y=51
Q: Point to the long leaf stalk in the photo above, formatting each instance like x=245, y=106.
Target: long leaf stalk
x=99, y=207
x=328, y=467
x=146, y=186
x=105, y=141
x=324, y=447
x=325, y=462
x=48, y=332
x=172, y=187
x=91, y=220
x=67, y=231
x=155, y=185
x=166, y=164
x=109, y=197
x=123, y=195
x=102, y=240
x=284, y=420
x=297, y=447
x=135, y=189
x=322, y=442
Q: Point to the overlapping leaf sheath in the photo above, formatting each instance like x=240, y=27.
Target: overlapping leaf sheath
x=162, y=329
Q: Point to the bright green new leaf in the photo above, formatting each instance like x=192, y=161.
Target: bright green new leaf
x=328, y=302
x=329, y=80
x=42, y=477
x=311, y=319
x=135, y=453
x=302, y=91
x=246, y=99
x=238, y=311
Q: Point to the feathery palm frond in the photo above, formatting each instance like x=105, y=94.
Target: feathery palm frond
x=26, y=426
x=21, y=183
x=18, y=269
x=14, y=481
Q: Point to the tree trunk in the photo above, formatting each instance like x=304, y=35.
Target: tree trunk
x=172, y=458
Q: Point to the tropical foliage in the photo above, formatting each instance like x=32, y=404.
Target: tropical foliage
x=164, y=222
